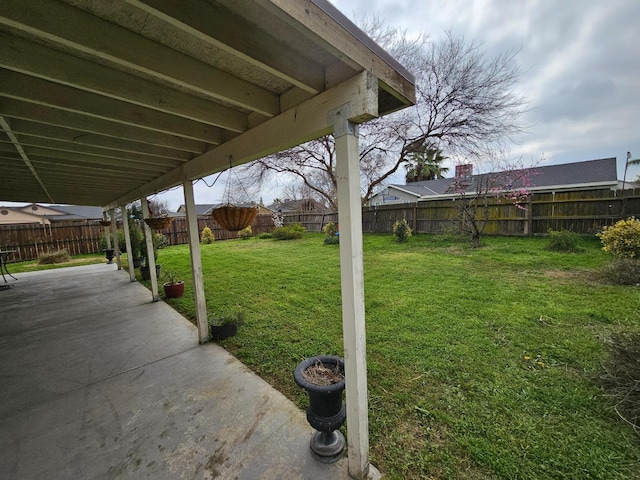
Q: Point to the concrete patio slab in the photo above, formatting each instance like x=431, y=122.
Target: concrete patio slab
x=99, y=382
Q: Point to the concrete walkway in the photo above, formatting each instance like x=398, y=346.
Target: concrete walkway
x=98, y=382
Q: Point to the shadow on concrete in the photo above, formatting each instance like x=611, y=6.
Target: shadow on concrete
x=98, y=382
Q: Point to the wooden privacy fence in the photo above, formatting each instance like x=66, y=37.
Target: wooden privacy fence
x=30, y=240
x=584, y=212
x=177, y=233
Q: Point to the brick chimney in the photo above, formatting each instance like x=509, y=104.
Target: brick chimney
x=464, y=171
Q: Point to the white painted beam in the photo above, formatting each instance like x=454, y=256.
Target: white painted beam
x=36, y=60
x=310, y=19
x=293, y=127
x=42, y=92
x=148, y=235
x=111, y=43
x=114, y=234
x=127, y=241
x=352, y=281
x=196, y=263
x=210, y=23
x=41, y=114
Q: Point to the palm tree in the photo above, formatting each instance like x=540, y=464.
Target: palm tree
x=425, y=164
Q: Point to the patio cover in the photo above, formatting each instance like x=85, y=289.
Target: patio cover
x=107, y=102
x=102, y=103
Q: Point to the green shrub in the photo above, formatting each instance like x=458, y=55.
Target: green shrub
x=621, y=380
x=288, y=232
x=207, y=236
x=623, y=271
x=330, y=229
x=622, y=239
x=59, y=256
x=401, y=230
x=245, y=233
x=332, y=240
x=453, y=233
x=160, y=240
x=564, y=241
x=264, y=236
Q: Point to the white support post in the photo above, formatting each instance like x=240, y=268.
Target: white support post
x=107, y=236
x=196, y=263
x=127, y=241
x=151, y=259
x=352, y=280
x=114, y=233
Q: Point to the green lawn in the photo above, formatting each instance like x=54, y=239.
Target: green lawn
x=76, y=260
x=481, y=362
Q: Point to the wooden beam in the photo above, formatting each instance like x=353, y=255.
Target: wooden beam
x=127, y=242
x=78, y=137
x=32, y=59
x=228, y=32
x=41, y=92
x=71, y=27
x=151, y=259
x=6, y=127
x=300, y=124
x=196, y=263
x=49, y=147
x=41, y=114
x=352, y=282
x=329, y=31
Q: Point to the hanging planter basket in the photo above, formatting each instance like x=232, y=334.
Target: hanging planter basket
x=105, y=223
x=234, y=218
x=158, y=223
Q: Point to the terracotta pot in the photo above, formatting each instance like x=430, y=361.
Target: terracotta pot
x=173, y=290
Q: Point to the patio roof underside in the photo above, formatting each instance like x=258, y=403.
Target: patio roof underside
x=102, y=103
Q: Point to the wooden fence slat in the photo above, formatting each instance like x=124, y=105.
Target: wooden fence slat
x=584, y=212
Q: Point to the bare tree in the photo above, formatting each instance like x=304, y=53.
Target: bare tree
x=465, y=106
x=476, y=193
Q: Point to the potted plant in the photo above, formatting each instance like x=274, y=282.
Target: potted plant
x=159, y=218
x=173, y=288
x=225, y=327
x=323, y=379
x=144, y=269
x=234, y=218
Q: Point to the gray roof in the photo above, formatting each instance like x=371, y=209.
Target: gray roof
x=75, y=212
x=588, y=173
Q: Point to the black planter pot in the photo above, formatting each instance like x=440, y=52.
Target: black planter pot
x=326, y=412
x=146, y=274
x=220, y=332
x=109, y=253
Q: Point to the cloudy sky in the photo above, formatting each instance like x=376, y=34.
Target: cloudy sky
x=582, y=64
x=581, y=60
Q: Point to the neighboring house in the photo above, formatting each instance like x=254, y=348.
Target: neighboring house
x=306, y=205
x=588, y=175
x=15, y=215
x=45, y=215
